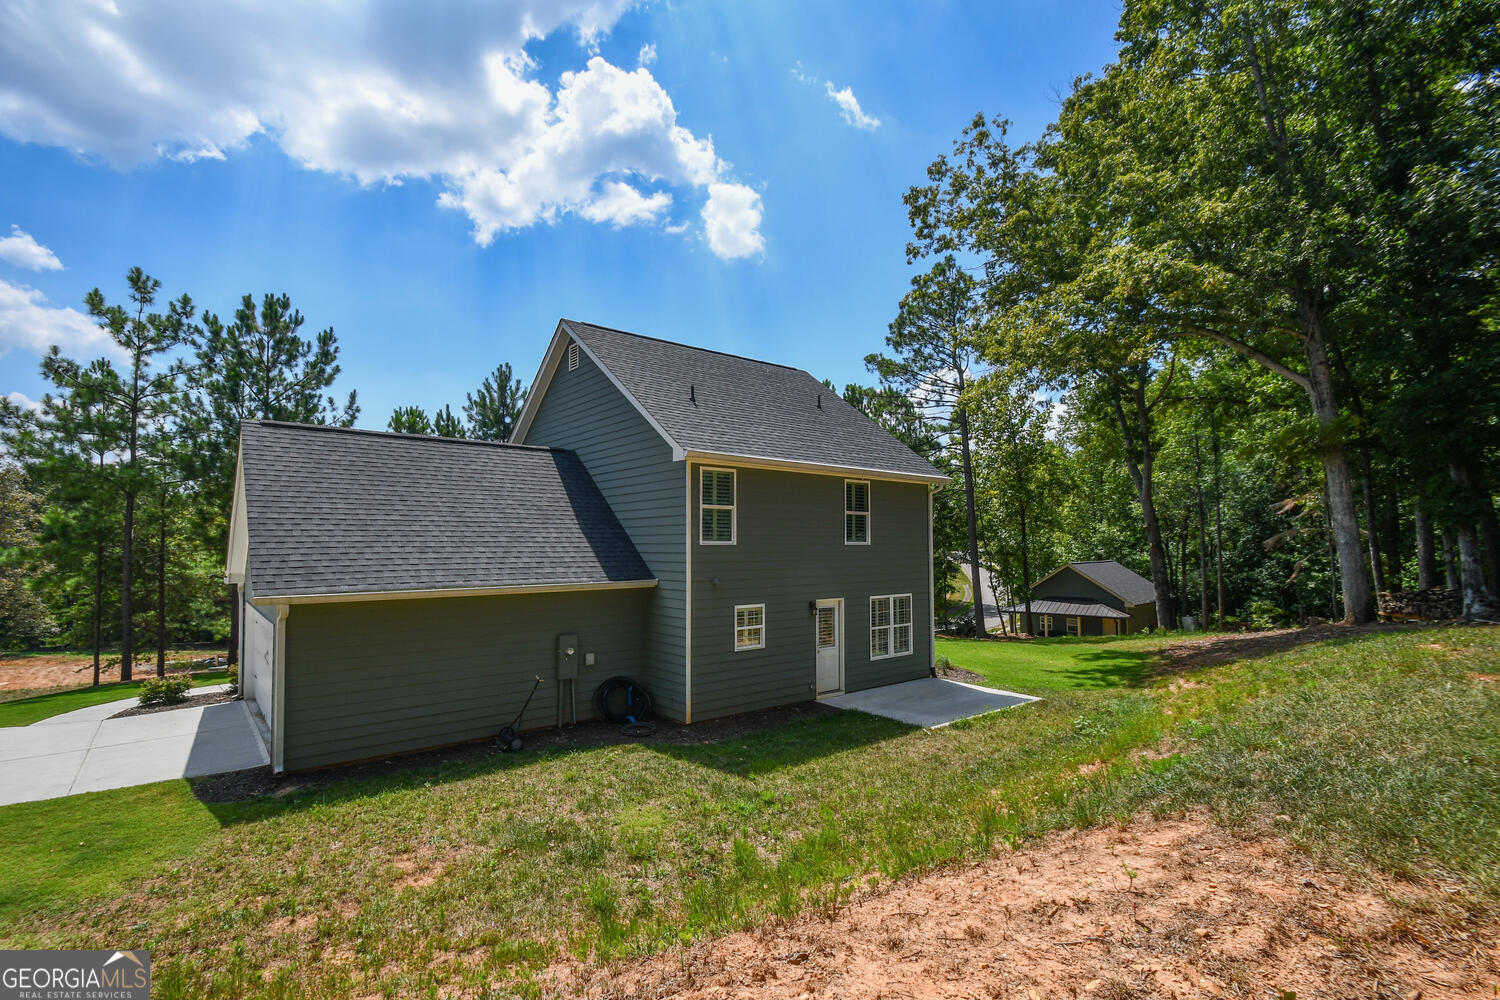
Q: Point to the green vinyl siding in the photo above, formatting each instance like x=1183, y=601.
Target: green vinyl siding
x=789, y=551
x=371, y=678
x=633, y=468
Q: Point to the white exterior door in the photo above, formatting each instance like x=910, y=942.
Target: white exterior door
x=829, y=637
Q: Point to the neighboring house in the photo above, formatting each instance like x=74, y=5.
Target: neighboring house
x=728, y=532
x=1097, y=597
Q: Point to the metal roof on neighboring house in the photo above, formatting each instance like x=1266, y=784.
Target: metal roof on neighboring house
x=1051, y=606
x=339, y=511
x=713, y=403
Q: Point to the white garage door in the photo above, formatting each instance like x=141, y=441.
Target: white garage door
x=260, y=660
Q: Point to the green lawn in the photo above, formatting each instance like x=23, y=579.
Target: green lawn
x=25, y=711
x=468, y=878
x=1036, y=666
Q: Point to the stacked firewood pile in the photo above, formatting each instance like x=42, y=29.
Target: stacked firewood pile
x=1432, y=604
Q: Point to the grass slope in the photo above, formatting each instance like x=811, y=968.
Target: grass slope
x=25, y=711
x=1036, y=666
x=1382, y=749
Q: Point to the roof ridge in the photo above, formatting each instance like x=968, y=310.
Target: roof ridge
x=691, y=347
x=399, y=435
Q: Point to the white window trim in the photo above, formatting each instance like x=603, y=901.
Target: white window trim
x=762, y=626
x=573, y=356
x=1077, y=622
x=734, y=508
x=867, y=512
x=891, y=628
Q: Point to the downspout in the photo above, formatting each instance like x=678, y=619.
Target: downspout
x=687, y=562
x=278, y=692
x=931, y=587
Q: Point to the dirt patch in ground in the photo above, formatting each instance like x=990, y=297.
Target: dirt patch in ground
x=70, y=670
x=1172, y=908
x=193, y=701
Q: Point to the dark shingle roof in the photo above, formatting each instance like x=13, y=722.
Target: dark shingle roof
x=1053, y=606
x=333, y=511
x=714, y=402
x=1112, y=576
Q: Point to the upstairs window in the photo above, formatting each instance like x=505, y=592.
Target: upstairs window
x=890, y=626
x=856, y=512
x=572, y=356
x=716, y=501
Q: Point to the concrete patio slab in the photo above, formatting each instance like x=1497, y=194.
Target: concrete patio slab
x=931, y=702
x=86, y=751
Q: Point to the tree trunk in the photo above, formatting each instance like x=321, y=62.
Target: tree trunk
x=98, y=604
x=127, y=613
x=1450, y=560
x=1489, y=536
x=1479, y=600
x=1026, y=574
x=161, y=591
x=1359, y=604
x=1367, y=487
x=1390, y=524
x=1218, y=533
x=1426, y=564
x=1202, y=533
x=973, y=518
x=1140, y=461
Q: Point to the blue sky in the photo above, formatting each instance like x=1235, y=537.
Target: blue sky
x=440, y=191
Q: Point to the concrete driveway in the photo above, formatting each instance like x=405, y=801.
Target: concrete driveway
x=86, y=750
x=931, y=702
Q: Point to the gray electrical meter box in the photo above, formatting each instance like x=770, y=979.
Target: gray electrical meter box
x=567, y=657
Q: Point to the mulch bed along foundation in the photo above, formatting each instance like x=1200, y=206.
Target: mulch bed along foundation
x=241, y=785
x=193, y=701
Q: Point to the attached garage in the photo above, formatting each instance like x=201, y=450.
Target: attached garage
x=407, y=592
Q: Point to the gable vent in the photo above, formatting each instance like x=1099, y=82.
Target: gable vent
x=572, y=357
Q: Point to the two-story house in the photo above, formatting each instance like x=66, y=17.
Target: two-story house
x=728, y=532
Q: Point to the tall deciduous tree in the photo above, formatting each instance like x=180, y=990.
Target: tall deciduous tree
x=933, y=343
x=1018, y=465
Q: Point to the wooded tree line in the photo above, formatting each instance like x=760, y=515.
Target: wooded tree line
x=116, y=490
x=1231, y=319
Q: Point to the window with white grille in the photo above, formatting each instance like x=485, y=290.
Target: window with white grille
x=749, y=626
x=856, y=512
x=890, y=626
x=716, y=502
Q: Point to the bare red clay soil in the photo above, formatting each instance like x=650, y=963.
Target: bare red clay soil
x=1168, y=909
x=29, y=673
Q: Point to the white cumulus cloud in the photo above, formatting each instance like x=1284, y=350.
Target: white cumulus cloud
x=23, y=401
x=849, y=106
x=731, y=220
x=375, y=90
x=648, y=54
x=22, y=250
x=30, y=323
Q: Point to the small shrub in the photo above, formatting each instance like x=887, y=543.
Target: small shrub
x=165, y=690
x=234, y=680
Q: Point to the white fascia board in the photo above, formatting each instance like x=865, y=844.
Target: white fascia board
x=238, y=556
x=817, y=468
